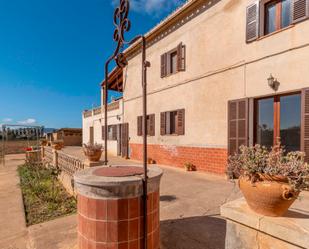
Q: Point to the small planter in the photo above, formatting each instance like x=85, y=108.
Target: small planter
x=151, y=161
x=43, y=142
x=190, y=167
x=57, y=145
x=93, y=152
x=270, y=196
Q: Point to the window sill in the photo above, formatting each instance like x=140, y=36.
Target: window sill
x=171, y=74
x=275, y=32
x=171, y=135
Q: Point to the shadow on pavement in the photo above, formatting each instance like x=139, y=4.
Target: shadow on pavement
x=204, y=232
x=168, y=198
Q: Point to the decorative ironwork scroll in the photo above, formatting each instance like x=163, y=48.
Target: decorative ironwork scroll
x=122, y=25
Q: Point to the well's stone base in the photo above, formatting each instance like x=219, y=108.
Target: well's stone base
x=248, y=230
x=111, y=208
x=117, y=224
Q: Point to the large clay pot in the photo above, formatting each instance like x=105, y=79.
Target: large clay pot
x=93, y=155
x=271, y=196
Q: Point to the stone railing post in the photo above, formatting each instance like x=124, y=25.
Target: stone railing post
x=42, y=152
x=55, y=158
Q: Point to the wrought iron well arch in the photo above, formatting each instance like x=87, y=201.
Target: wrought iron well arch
x=123, y=25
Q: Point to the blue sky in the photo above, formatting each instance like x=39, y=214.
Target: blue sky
x=52, y=55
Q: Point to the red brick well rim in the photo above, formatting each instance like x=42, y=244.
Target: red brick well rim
x=119, y=171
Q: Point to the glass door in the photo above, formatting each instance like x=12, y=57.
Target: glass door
x=277, y=119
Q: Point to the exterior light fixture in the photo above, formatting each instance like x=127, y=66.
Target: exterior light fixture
x=273, y=83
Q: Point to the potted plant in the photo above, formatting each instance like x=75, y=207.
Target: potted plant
x=190, y=167
x=43, y=142
x=270, y=180
x=93, y=152
x=57, y=144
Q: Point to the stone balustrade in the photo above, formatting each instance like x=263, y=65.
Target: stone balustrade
x=68, y=165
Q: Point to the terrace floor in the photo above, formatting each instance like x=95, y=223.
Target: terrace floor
x=190, y=217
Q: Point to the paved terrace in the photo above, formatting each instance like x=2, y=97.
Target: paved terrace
x=190, y=219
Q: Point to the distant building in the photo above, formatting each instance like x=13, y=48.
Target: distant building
x=69, y=136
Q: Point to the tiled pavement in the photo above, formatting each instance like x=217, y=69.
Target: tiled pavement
x=189, y=209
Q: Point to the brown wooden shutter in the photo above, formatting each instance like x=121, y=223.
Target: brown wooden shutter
x=180, y=128
x=238, y=132
x=300, y=9
x=252, y=22
x=103, y=133
x=125, y=140
x=114, y=132
x=151, y=125
x=139, y=126
x=163, y=65
x=181, y=54
x=163, y=123
x=305, y=123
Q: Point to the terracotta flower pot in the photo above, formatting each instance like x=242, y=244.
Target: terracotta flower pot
x=271, y=196
x=43, y=142
x=93, y=155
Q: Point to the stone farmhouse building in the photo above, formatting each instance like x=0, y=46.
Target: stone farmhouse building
x=93, y=129
x=223, y=73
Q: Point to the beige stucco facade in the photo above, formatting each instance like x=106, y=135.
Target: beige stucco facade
x=220, y=66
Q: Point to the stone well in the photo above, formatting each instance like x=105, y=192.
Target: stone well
x=110, y=207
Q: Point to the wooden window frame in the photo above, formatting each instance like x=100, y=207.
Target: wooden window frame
x=276, y=116
x=263, y=22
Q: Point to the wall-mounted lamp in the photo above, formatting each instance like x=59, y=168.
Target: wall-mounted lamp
x=118, y=117
x=273, y=83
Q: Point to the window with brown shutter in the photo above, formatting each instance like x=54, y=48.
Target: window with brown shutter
x=173, y=61
x=152, y=122
x=300, y=10
x=267, y=16
x=181, y=122
x=163, y=124
x=237, y=125
x=150, y=125
x=181, y=58
x=163, y=65
x=173, y=122
x=139, y=126
x=305, y=123
x=252, y=22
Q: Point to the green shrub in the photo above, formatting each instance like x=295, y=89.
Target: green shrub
x=44, y=196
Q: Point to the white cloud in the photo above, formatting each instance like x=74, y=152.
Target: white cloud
x=152, y=7
x=7, y=120
x=28, y=121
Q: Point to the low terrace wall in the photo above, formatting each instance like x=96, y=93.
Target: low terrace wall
x=66, y=163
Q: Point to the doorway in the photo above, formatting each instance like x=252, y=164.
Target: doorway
x=91, y=135
x=278, y=118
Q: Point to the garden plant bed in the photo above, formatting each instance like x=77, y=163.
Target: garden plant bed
x=44, y=196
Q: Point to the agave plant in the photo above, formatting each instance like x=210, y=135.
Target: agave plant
x=257, y=161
